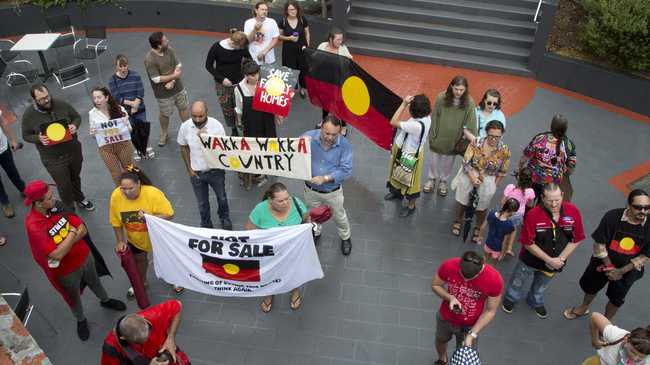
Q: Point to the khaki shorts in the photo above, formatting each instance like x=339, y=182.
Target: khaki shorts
x=166, y=106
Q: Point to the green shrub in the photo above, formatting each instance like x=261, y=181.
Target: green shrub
x=619, y=30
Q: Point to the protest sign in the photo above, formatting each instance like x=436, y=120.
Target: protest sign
x=112, y=131
x=286, y=157
x=274, y=90
x=234, y=263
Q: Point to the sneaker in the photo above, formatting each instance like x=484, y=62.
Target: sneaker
x=150, y=152
x=428, y=186
x=442, y=188
x=114, y=304
x=130, y=293
x=262, y=181
x=346, y=247
x=391, y=196
x=226, y=224
x=507, y=306
x=87, y=205
x=541, y=312
x=136, y=156
x=82, y=330
x=8, y=210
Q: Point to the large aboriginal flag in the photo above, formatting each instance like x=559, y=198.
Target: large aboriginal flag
x=340, y=86
x=238, y=270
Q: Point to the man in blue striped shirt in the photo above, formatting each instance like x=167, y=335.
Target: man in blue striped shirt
x=331, y=164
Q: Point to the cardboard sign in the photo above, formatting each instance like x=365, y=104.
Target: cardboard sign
x=57, y=131
x=275, y=89
x=113, y=131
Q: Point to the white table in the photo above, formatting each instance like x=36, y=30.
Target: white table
x=38, y=42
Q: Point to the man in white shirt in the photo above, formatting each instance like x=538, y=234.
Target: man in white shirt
x=262, y=33
x=201, y=176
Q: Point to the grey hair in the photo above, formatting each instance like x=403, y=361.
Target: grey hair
x=134, y=329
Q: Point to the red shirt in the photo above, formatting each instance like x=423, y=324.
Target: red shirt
x=45, y=232
x=551, y=237
x=471, y=294
x=160, y=316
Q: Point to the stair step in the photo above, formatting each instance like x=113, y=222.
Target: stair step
x=439, y=43
x=529, y=4
x=391, y=11
x=455, y=59
x=456, y=32
x=523, y=12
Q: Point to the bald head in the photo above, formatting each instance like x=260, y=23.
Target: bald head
x=134, y=329
x=199, y=112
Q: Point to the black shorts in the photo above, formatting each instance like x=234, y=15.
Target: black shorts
x=592, y=281
x=135, y=250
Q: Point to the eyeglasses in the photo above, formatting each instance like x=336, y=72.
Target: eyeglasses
x=43, y=99
x=641, y=207
x=494, y=138
x=490, y=103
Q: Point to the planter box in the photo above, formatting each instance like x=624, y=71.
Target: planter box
x=214, y=16
x=610, y=86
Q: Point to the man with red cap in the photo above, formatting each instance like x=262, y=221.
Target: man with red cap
x=60, y=246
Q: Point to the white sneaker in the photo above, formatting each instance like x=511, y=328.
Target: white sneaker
x=428, y=186
x=150, y=152
x=130, y=293
x=136, y=156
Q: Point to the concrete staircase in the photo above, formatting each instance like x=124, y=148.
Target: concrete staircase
x=487, y=35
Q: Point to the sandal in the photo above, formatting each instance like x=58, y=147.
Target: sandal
x=266, y=306
x=3, y=241
x=476, y=238
x=571, y=314
x=455, y=229
x=296, y=302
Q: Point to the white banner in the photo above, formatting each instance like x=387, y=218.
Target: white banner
x=233, y=263
x=113, y=131
x=286, y=157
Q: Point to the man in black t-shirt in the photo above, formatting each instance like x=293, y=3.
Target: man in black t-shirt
x=621, y=249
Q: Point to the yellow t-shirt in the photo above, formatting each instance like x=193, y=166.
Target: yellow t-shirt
x=124, y=213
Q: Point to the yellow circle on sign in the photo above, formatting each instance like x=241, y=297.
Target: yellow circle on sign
x=55, y=132
x=275, y=86
x=234, y=162
x=355, y=95
x=627, y=243
x=231, y=269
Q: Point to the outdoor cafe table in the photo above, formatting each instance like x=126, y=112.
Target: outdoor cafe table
x=38, y=42
x=17, y=346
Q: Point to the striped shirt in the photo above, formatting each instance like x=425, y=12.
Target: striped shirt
x=128, y=88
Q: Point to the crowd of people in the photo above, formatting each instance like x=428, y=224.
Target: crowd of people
x=536, y=208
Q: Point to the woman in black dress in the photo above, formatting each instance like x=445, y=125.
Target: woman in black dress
x=295, y=36
x=254, y=123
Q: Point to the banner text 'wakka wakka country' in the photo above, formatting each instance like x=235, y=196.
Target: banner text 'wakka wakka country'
x=286, y=157
x=234, y=263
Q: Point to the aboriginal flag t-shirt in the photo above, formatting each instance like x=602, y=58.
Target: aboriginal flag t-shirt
x=624, y=241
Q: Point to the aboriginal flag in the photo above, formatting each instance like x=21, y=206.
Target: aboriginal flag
x=626, y=244
x=337, y=84
x=57, y=131
x=237, y=270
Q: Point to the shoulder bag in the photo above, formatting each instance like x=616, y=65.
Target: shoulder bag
x=405, y=163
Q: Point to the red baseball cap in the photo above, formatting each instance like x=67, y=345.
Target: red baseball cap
x=35, y=190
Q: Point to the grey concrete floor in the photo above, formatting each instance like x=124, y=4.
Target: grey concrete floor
x=373, y=307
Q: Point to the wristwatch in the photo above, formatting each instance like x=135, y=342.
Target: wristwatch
x=473, y=334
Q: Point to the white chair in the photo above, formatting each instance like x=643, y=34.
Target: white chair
x=72, y=76
x=92, y=46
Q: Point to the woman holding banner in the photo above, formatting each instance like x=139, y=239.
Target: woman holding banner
x=253, y=122
x=116, y=155
x=134, y=197
x=407, y=153
x=278, y=209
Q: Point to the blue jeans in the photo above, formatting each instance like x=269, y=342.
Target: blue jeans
x=211, y=178
x=7, y=163
x=518, y=280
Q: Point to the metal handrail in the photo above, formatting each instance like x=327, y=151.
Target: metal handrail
x=539, y=6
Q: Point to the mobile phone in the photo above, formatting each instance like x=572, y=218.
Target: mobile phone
x=457, y=309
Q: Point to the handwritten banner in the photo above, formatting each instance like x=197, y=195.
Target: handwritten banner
x=113, y=131
x=234, y=263
x=275, y=89
x=286, y=157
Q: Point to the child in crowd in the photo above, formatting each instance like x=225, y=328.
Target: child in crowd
x=525, y=195
x=500, y=228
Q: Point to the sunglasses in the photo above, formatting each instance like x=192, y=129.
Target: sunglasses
x=490, y=103
x=641, y=207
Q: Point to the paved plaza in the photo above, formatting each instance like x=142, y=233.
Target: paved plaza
x=376, y=305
